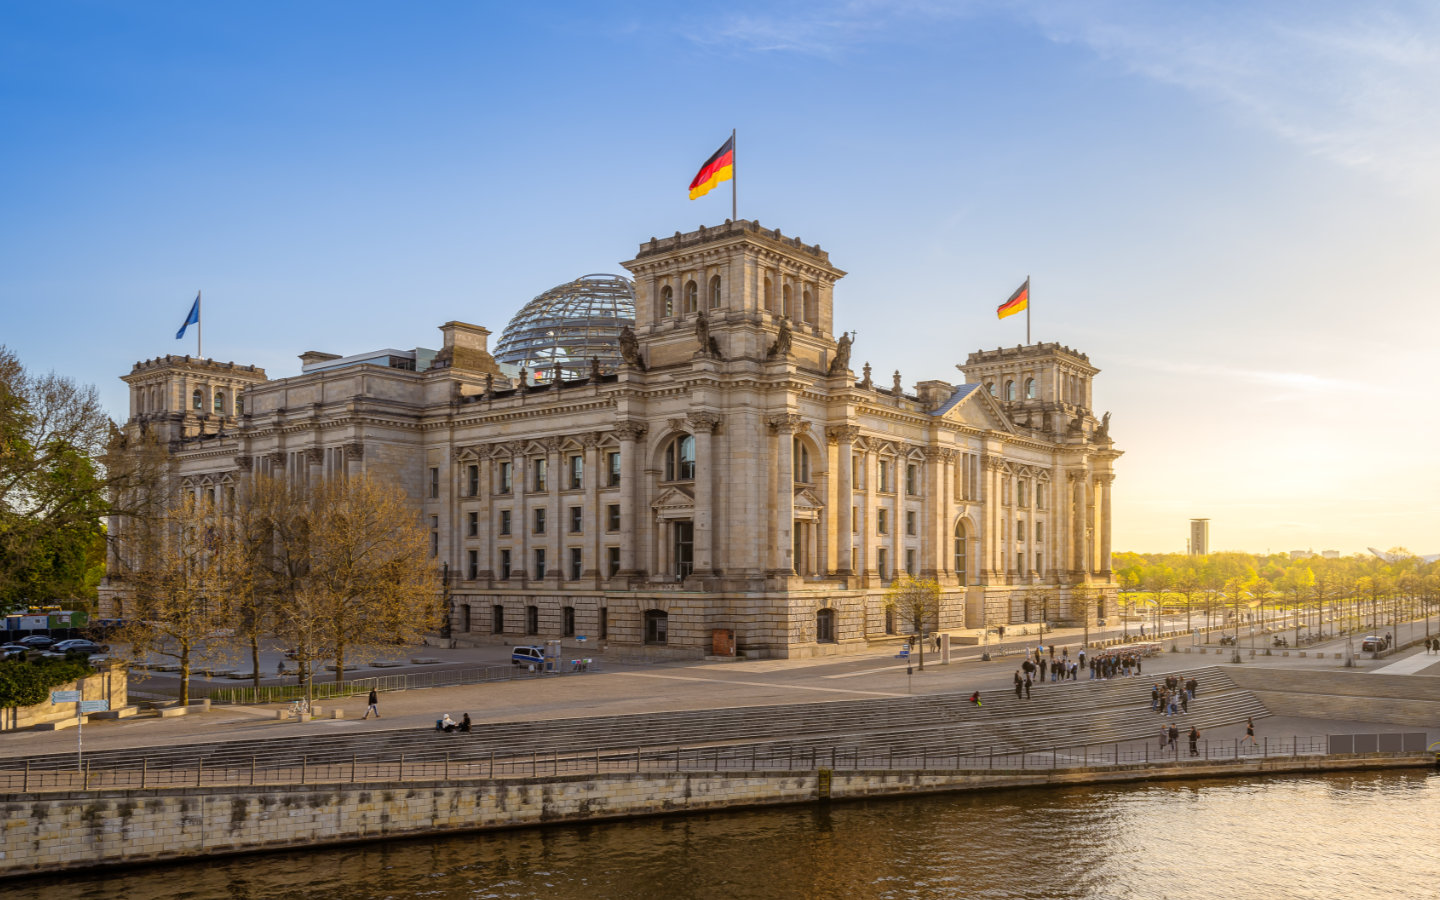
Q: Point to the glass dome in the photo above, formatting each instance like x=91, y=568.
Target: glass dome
x=569, y=325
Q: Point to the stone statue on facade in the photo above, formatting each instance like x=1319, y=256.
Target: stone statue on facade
x=630, y=348
x=781, y=348
x=594, y=368
x=841, y=362
x=1103, y=432
x=708, y=346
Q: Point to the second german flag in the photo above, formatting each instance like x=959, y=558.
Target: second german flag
x=1017, y=302
x=719, y=167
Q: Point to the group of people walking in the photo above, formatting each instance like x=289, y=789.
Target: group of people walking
x=1041, y=664
x=1115, y=665
x=1170, y=738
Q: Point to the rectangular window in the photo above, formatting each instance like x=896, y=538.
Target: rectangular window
x=612, y=517
x=577, y=563
x=885, y=476
x=1020, y=530
x=504, y=564
x=912, y=479
x=882, y=563
x=539, y=480
x=472, y=566
x=434, y=483
x=910, y=561
x=1040, y=562
x=854, y=519
x=540, y=520
x=539, y=564
x=567, y=622
x=604, y=622
x=857, y=474
x=472, y=480
x=612, y=562
x=473, y=520
x=1039, y=531
x=497, y=619
x=882, y=521
x=576, y=519
x=434, y=536
x=504, y=521
x=507, y=470
x=612, y=460
x=532, y=620
x=909, y=521
x=1020, y=563
x=577, y=472
x=1040, y=495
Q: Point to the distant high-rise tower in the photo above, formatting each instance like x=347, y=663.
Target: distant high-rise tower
x=1199, y=537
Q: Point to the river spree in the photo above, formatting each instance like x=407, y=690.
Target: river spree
x=1362, y=836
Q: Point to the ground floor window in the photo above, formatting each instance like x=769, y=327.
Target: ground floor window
x=497, y=619
x=568, y=622
x=604, y=622
x=825, y=626
x=683, y=533
x=657, y=626
x=532, y=620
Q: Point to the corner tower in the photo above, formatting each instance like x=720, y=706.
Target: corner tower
x=746, y=280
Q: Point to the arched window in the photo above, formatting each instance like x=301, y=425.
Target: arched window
x=769, y=295
x=825, y=626
x=667, y=301
x=715, y=292
x=239, y=406
x=1009, y=391
x=219, y=403
x=657, y=626
x=1029, y=389
x=990, y=386
x=800, y=460
x=808, y=307
x=680, y=459
x=692, y=298
x=197, y=400
x=960, y=554
x=785, y=300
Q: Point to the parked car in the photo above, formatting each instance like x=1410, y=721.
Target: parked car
x=527, y=656
x=10, y=651
x=79, y=644
x=37, y=641
x=1373, y=642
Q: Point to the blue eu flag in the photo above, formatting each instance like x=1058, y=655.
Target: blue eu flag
x=192, y=319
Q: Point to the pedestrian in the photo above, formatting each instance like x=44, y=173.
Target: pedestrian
x=1194, y=741
x=1081, y=656
x=1174, y=736
x=1019, y=685
x=1043, y=664
x=1185, y=703
x=1249, y=732
x=1164, y=736
x=1191, y=687
x=372, y=705
x=1137, y=665
x=465, y=723
x=1027, y=686
x=1154, y=697
x=975, y=699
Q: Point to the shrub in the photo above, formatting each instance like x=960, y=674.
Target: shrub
x=28, y=682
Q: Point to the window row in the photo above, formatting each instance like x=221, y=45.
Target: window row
x=575, y=568
x=538, y=472
x=1009, y=392
x=689, y=297
x=538, y=523
x=532, y=620
x=218, y=403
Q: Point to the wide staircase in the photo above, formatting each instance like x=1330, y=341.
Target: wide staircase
x=1066, y=714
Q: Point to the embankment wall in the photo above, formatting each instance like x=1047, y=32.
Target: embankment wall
x=59, y=832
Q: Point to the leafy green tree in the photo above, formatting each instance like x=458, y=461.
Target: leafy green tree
x=917, y=602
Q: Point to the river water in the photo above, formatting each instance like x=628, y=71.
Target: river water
x=1367, y=835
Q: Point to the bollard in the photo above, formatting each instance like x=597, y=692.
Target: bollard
x=252, y=770
x=402, y=767
x=144, y=771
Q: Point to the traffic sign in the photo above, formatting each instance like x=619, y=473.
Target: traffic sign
x=89, y=706
x=64, y=696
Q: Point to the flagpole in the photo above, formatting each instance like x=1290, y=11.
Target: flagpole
x=1028, y=298
x=734, y=177
x=199, y=328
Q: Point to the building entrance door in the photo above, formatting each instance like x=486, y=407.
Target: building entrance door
x=683, y=534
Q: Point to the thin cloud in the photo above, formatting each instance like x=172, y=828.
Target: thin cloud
x=1289, y=380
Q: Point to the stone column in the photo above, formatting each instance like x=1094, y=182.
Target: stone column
x=354, y=459
x=486, y=536
x=866, y=564
x=783, y=427
x=314, y=466
x=594, y=516
x=932, y=512
x=1104, y=482
x=702, y=426
x=1079, y=555
x=632, y=471
x=556, y=524
x=844, y=437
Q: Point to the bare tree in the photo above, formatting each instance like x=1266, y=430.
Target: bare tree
x=917, y=602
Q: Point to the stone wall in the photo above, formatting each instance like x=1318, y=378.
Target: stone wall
x=57, y=832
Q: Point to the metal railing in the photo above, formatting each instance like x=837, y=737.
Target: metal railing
x=705, y=760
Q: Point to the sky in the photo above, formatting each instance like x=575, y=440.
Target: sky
x=1230, y=206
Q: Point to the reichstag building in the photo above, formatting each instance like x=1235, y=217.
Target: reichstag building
x=648, y=461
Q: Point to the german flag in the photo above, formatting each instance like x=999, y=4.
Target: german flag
x=719, y=167
x=1018, y=301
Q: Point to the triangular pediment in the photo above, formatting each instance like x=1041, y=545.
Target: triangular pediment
x=673, y=498
x=805, y=499
x=976, y=408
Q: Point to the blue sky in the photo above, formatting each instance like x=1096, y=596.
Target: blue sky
x=1230, y=206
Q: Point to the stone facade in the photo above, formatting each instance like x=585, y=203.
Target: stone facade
x=733, y=474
